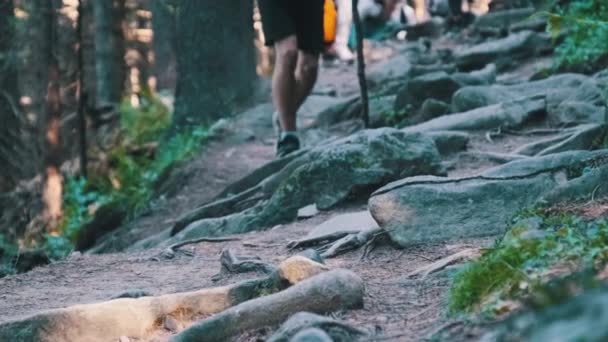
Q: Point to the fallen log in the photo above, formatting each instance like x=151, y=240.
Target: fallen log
x=326, y=292
x=138, y=317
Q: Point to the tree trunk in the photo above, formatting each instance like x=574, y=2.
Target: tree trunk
x=82, y=93
x=9, y=115
x=53, y=183
x=109, y=52
x=87, y=42
x=33, y=79
x=163, y=25
x=215, y=60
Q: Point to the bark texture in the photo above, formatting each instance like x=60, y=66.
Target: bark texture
x=216, y=60
x=163, y=24
x=8, y=98
x=109, y=51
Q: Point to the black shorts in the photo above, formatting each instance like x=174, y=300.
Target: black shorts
x=304, y=18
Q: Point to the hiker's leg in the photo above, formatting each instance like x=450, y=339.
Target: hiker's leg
x=280, y=31
x=306, y=76
x=345, y=21
x=421, y=11
x=309, y=27
x=284, y=85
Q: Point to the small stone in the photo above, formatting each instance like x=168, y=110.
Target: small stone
x=311, y=335
x=75, y=255
x=171, y=324
x=298, y=268
x=133, y=293
x=312, y=255
x=308, y=211
x=124, y=339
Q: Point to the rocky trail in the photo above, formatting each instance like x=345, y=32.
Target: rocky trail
x=480, y=135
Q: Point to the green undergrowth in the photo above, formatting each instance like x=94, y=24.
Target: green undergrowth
x=521, y=262
x=585, y=23
x=133, y=176
x=394, y=118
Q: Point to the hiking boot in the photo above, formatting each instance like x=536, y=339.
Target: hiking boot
x=287, y=145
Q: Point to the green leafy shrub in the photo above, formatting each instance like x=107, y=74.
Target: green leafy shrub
x=536, y=242
x=586, y=24
x=133, y=177
x=394, y=117
x=146, y=122
x=8, y=250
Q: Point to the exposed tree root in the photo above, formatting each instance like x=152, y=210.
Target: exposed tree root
x=335, y=244
x=464, y=255
x=326, y=175
x=315, y=241
x=137, y=317
x=170, y=252
x=326, y=292
x=125, y=317
x=336, y=330
x=243, y=264
x=269, y=178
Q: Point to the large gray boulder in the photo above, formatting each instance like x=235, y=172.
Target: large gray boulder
x=561, y=92
x=502, y=20
x=440, y=86
x=326, y=175
x=574, y=112
x=429, y=208
x=580, y=318
x=582, y=137
x=395, y=68
x=381, y=112
x=509, y=114
x=504, y=51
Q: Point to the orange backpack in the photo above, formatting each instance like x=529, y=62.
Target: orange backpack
x=330, y=21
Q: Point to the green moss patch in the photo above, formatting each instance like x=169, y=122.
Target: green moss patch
x=538, y=241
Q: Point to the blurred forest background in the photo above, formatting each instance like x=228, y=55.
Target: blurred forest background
x=86, y=97
x=100, y=99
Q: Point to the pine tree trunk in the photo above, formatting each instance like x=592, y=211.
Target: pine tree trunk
x=53, y=183
x=109, y=52
x=33, y=78
x=82, y=91
x=87, y=42
x=163, y=25
x=9, y=116
x=215, y=60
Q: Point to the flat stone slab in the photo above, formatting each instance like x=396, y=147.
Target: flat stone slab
x=351, y=223
x=428, y=208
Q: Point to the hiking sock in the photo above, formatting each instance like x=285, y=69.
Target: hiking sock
x=276, y=124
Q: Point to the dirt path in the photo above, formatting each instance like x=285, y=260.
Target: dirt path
x=393, y=304
x=397, y=308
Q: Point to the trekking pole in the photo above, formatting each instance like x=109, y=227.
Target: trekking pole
x=361, y=65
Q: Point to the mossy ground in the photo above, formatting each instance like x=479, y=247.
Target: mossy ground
x=525, y=259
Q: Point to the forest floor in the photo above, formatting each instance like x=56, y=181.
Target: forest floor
x=396, y=308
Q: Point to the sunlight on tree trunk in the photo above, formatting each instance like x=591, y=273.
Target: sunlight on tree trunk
x=108, y=52
x=53, y=182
